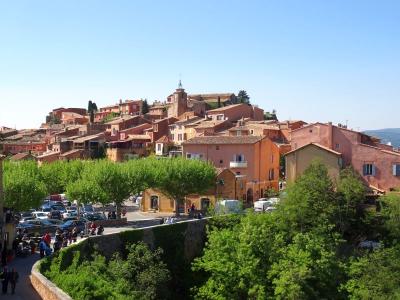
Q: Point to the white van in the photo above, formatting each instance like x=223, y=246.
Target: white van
x=262, y=205
x=228, y=207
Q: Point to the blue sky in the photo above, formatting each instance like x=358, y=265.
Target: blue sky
x=311, y=60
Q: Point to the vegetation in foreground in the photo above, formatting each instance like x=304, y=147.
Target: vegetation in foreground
x=308, y=248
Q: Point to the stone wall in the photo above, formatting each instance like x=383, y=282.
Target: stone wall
x=44, y=287
x=181, y=242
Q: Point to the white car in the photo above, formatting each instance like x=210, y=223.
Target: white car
x=262, y=205
x=69, y=214
x=228, y=206
x=40, y=215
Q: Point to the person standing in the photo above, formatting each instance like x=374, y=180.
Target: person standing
x=4, y=280
x=13, y=278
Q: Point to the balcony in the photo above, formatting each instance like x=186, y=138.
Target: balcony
x=238, y=164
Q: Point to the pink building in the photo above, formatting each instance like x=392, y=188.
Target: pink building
x=378, y=164
x=254, y=159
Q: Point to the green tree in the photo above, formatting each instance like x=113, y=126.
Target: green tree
x=391, y=214
x=375, y=276
x=145, y=107
x=23, y=187
x=310, y=200
x=86, y=191
x=142, y=274
x=219, y=102
x=243, y=97
x=180, y=177
x=351, y=193
x=113, y=180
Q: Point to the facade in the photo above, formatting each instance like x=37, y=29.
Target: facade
x=182, y=130
x=133, y=146
x=236, y=112
x=155, y=201
x=297, y=161
x=253, y=158
x=122, y=123
x=378, y=164
x=177, y=102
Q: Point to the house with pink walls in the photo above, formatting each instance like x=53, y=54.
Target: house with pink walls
x=378, y=164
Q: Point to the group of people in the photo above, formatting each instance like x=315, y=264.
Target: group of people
x=193, y=213
x=8, y=277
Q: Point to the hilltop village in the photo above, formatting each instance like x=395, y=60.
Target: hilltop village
x=251, y=149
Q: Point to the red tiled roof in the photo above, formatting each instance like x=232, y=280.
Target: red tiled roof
x=317, y=145
x=219, y=140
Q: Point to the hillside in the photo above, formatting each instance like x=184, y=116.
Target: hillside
x=387, y=135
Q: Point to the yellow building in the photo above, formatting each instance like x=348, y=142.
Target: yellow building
x=298, y=160
x=226, y=184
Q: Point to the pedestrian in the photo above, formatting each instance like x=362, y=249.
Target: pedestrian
x=4, y=256
x=47, y=238
x=13, y=278
x=4, y=280
x=42, y=246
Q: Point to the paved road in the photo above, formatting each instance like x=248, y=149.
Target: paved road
x=24, y=289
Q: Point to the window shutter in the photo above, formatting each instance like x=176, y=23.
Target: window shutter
x=364, y=169
x=373, y=170
x=394, y=170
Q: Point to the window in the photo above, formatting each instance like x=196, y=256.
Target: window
x=154, y=202
x=159, y=147
x=396, y=169
x=238, y=158
x=220, y=117
x=216, y=147
x=337, y=146
x=251, y=131
x=188, y=155
x=180, y=137
x=271, y=174
x=221, y=161
x=238, y=133
x=369, y=169
x=310, y=130
x=172, y=137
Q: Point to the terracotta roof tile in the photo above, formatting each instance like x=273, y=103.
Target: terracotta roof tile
x=235, y=140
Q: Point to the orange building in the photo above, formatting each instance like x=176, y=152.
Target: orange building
x=255, y=159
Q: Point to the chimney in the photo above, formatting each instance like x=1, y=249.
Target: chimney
x=330, y=135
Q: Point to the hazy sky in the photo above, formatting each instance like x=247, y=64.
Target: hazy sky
x=311, y=60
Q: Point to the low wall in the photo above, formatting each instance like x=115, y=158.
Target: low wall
x=181, y=242
x=44, y=287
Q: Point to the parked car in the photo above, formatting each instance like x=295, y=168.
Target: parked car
x=69, y=214
x=40, y=215
x=262, y=205
x=228, y=206
x=39, y=226
x=95, y=217
x=24, y=219
x=54, y=214
x=87, y=208
x=69, y=225
x=55, y=221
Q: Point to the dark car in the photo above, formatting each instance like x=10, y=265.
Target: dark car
x=69, y=225
x=95, y=217
x=55, y=214
x=38, y=226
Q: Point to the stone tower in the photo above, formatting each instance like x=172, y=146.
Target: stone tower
x=178, y=102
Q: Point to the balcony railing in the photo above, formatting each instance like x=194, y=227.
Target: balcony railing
x=238, y=164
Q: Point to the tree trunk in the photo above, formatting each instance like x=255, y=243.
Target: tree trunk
x=177, y=214
x=118, y=210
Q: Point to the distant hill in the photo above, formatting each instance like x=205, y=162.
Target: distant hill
x=387, y=135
